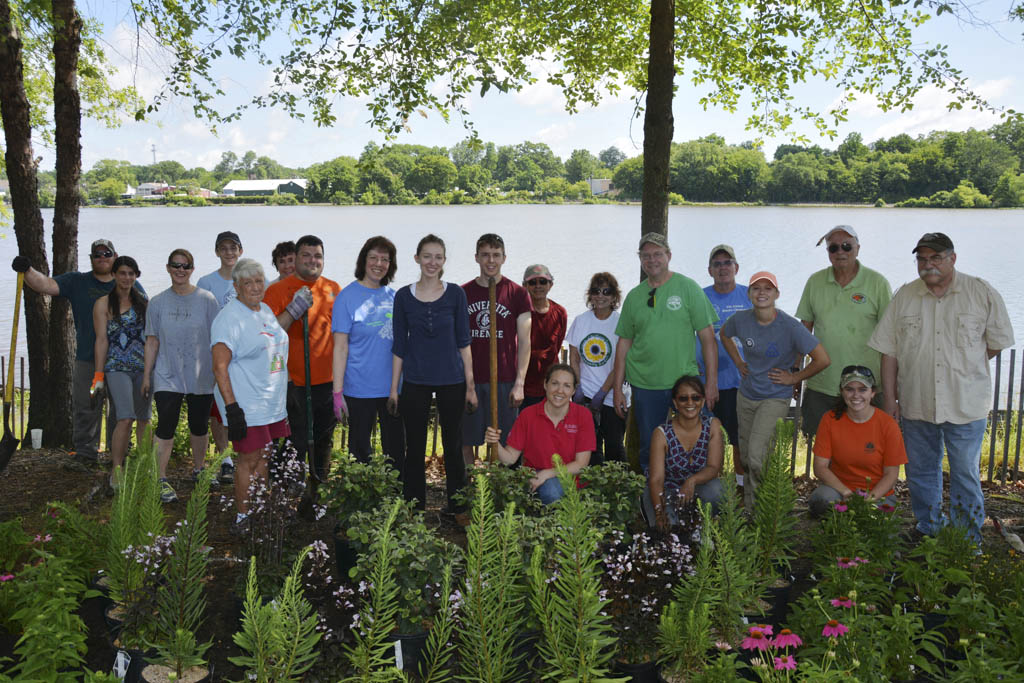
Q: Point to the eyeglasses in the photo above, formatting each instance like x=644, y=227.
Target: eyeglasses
x=180, y=266
x=538, y=282
x=102, y=254
x=652, y=255
x=845, y=246
x=650, y=298
x=691, y=398
x=722, y=264
x=604, y=291
x=383, y=260
x=933, y=260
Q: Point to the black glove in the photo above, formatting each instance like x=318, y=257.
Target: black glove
x=21, y=264
x=236, y=421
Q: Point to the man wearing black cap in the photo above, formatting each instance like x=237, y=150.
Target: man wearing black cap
x=228, y=248
x=81, y=290
x=936, y=339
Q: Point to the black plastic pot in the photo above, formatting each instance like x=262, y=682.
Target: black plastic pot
x=413, y=645
x=345, y=553
x=113, y=623
x=206, y=679
x=644, y=672
x=778, y=597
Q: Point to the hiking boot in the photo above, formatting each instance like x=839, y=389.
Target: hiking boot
x=227, y=473
x=81, y=463
x=167, y=494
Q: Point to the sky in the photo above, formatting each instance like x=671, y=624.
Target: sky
x=992, y=56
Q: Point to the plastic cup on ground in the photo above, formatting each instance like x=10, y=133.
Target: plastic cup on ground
x=37, y=438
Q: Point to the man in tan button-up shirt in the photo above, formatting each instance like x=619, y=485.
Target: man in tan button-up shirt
x=936, y=339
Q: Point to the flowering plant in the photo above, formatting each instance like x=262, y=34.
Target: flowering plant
x=637, y=581
x=772, y=655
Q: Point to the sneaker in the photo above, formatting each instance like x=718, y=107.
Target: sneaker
x=214, y=481
x=227, y=473
x=81, y=463
x=167, y=494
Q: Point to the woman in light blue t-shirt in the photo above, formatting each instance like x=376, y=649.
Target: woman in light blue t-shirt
x=363, y=333
x=774, y=344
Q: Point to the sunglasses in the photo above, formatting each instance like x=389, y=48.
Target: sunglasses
x=859, y=369
x=650, y=298
x=722, y=264
x=180, y=266
x=689, y=398
x=845, y=246
x=102, y=254
x=605, y=291
x=538, y=281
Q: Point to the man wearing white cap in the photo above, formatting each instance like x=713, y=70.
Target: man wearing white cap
x=841, y=305
x=81, y=290
x=547, y=331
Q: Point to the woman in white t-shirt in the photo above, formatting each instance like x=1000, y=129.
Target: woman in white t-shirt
x=592, y=341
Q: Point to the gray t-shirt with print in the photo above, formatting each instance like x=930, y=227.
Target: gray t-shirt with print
x=779, y=344
x=184, y=363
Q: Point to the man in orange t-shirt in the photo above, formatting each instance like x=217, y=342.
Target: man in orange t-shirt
x=307, y=292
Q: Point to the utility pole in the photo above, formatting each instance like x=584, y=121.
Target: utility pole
x=154, y=155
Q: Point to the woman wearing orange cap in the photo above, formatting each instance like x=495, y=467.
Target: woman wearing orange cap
x=773, y=345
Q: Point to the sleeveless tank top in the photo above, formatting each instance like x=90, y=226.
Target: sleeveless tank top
x=127, y=347
x=680, y=463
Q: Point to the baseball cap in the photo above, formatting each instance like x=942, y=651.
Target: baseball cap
x=655, y=238
x=102, y=243
x=764, y=275
x=537, y=270
x=721, y=247
x=227, y=235
x=848, y=229
x=934, y=240
x=857, y=373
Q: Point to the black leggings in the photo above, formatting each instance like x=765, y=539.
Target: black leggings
x=323, y=426
x=168, y=409
x=414, y=405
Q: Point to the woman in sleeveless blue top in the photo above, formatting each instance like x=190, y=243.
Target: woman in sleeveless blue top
x=679, y=473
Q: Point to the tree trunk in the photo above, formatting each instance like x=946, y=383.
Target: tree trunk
x=658, y=121
x=67, y=116
x=28, y=220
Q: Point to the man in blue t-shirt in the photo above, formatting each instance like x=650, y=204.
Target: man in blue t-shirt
x=726, y=298
x=81, y=290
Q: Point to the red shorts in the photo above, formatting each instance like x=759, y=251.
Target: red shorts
x=256, y=438
x=215, y=413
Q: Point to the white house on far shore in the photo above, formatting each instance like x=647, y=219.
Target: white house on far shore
x=251, y=188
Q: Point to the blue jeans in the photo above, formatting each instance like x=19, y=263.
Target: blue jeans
x=651, y=408
x=924, y=441
x=550, y=491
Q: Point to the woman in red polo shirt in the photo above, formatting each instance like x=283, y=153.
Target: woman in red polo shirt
x=555, y=425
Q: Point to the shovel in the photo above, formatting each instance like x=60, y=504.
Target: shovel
x=9, y=442
x=310, y=441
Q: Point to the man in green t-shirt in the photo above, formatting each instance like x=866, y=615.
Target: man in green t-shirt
x=657, y=346
x=841, y=305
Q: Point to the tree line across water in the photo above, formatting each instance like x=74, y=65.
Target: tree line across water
x=942, y=169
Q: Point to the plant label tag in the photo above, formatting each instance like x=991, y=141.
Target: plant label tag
x=745, y=621
x=399, y=664
x=121, y=663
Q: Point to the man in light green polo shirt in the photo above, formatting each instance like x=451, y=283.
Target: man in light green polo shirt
x=841, y=305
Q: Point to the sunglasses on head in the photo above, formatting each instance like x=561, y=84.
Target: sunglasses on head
x=102, y=254
x=606, y=291
x=180, y=266
x=845, y=246
x=650, y=298
x=538, y=281
x=859, y=369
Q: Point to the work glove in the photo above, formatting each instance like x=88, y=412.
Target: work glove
x=577, y=396
x=236, y=422
x=97, y=384
x=300, y=303
x=339, y=405
x=20, y=264
x=598, y=399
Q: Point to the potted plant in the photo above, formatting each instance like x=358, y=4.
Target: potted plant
x=616, y=489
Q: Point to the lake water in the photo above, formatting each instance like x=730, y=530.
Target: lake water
x=574, y=241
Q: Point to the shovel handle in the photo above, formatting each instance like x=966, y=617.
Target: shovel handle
x=9, y=385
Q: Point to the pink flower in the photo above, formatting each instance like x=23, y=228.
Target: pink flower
x=755, y=641
x=43, y=539
x=787, y=638
x=785, y=662
x=862, y=493
x=839, y=507
x=6, y=577
x=845, y=562
x=833, y=628
x=842, y=601
x=860, y=560
x=887, y=507
x=766, y=629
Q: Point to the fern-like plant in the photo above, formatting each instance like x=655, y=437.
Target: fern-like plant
x=279, y=637
x=439, y=649
x=180, y=601
x=733, y=581
x=774, y=521
x=684, y=637
x=577, y=642
x=493, y=594
x=136, y=518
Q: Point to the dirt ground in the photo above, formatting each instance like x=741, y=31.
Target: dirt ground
x=33, y=478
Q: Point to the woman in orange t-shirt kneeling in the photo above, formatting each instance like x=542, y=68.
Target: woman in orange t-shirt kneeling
x=857, y=447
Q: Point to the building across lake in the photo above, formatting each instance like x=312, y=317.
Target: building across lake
x=269, y=186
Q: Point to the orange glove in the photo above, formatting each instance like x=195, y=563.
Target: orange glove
x=97, y=383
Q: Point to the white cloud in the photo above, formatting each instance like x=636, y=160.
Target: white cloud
x=558, y=136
